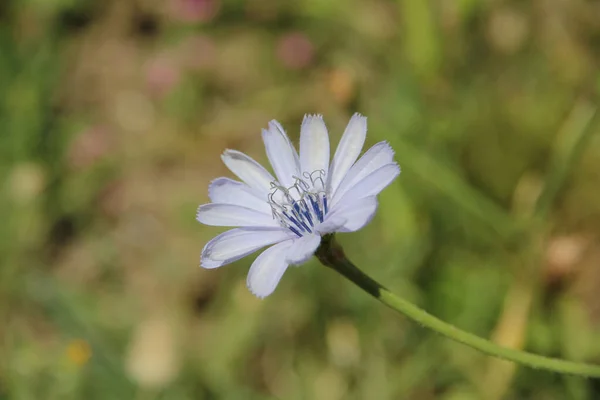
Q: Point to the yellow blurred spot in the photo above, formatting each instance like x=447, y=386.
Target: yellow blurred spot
x=507, y=30
x=341, y=85
x=152, y=359
x=343, y=343
x=26, y=181
x=330, y=384
x=79, y=352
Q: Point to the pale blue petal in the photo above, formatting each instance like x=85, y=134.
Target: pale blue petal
x=237, y=243
x=268, y=268
x=281, y=153
x=347, y=151
x=228, y=191
x=356, y=214
x=303, y=248
x=314, y=145
x=248, y=170
x=375, y=158
x=370, y=185
x=217, y=214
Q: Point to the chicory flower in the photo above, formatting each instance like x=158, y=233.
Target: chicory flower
x=307, y=199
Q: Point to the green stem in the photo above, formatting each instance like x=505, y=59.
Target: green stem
x=332, y=255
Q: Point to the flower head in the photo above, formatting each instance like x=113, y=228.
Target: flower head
x=308, y=198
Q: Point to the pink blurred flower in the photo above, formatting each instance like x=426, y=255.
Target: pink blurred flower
x=295, y=50
x=89, y=147
x=162, y=75
x=194, y=10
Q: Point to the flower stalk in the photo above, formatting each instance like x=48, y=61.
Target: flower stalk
x=331, y=254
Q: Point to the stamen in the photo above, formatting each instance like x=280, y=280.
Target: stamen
x=316, y=208
x=301, y=206
x=295, y=231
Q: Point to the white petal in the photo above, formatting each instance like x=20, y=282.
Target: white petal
x=356, y=214
x=370, y=185
x=248, y=170
x=330, y=225
x=375, y=158
x=347, y=151
x=228, y=191
x=211, y=264
x=281, y=153
x=268, y=268
x=217, y=214
x=314, y=145
x=303, y=248
x=237, y=243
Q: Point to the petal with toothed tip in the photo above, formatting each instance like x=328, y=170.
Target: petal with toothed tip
x=314, y=145
x=374, y=158
x=347, y=151
x=281, y=153
x=248, y=170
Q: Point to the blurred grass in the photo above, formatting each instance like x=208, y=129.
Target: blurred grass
x=112, y=118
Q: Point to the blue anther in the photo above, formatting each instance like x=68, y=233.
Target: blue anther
x=295, y=221
x=295, y=231
x=316, y=208
x=306, y=213
x=300, y=218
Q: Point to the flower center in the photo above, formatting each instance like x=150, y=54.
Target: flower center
x=301, y=206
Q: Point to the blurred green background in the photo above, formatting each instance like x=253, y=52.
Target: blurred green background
x=113, y=114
